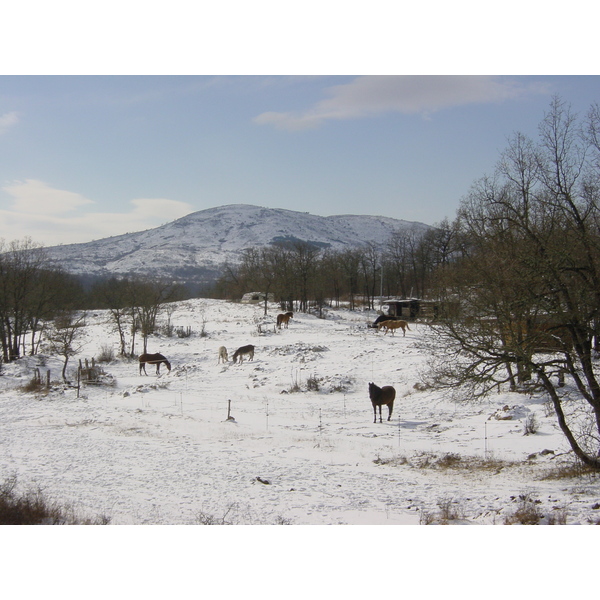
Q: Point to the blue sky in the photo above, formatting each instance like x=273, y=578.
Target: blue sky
x=86, y=157
x=116, y=117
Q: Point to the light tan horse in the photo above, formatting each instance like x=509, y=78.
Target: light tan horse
x=223, y=355
x=393, y=325
x=284, y=319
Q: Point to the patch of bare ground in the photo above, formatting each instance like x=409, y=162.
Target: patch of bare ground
x=447, y=460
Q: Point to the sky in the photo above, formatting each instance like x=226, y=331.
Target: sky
x=104, y=149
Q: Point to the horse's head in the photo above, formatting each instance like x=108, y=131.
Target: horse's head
x=168, y=364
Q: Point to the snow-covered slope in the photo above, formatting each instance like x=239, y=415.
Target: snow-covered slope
x=194, y=247
x=301, y=446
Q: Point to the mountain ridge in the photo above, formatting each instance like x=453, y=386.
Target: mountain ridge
x=194, y=248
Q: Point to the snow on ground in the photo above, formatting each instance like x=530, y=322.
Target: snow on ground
x=160, y=450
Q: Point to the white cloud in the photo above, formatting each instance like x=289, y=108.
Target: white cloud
x=7, y=121
x=374, y=95
x=35, y=197
x=50, y=216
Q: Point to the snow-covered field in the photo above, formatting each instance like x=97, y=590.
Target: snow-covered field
x=160, y=450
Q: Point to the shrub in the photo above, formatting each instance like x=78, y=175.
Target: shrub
x=295, y=386
x=570, y=470
x=313, y=383
x=33, y=508
x=106, y=355
x=35, y=384
x=394, y=461
x=531, y=424
x=449, y=510
x=558, y=516
x=449, y=460
x=526, y=513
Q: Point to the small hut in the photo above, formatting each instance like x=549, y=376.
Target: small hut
x=256, y=298
x=412, y=308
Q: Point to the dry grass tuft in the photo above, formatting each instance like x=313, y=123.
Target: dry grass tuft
x=570, y=470
x=526, y=513
x=33, y=508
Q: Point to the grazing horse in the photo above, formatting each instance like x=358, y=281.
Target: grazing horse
x=380, y=319
x=284, y=319
x=393, y=325
x=379, y=397
x=241, y=352
x=153, y=359
x=223, y=355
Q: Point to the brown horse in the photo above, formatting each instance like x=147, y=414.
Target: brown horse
x=153, y=359
x=393, y=325
x=379, y=397
x=284, y=319
x=243, y=351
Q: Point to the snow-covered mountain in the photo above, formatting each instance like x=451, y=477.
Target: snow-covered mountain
x=194, y=248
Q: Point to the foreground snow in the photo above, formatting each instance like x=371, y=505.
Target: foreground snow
x=160, y=450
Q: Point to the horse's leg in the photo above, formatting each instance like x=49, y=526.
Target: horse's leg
x=374, y=413
x=380, y=419
x=390, y=408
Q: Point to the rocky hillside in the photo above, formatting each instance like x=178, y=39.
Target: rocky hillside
x=194, y=248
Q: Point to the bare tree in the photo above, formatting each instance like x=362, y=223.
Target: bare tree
x=65, y=338
x=31, y=290
x=147, y=299
x=261, y=268
x=529, y=279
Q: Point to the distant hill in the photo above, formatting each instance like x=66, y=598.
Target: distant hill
x=194, y=249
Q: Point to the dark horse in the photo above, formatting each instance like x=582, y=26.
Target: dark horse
x=381, y=319
x=380, y=396
x=284, y=319
x=153, y=359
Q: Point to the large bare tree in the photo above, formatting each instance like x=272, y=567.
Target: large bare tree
x=528, y=281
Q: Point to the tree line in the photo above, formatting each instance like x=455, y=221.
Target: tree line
x=299, y=275
x=32, y=294
x=40, y=303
